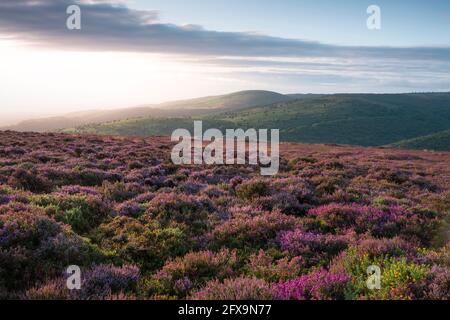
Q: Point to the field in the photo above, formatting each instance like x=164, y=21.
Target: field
x=140, y=227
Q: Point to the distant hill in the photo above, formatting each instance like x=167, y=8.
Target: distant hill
x=355, y=119
x=438, y=141
x=184, y=108
x=234, y=101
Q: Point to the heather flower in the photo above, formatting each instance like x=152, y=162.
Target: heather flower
x=195, y=269
x=189, y=210
x=5, y=199
x=76, y=189
x=34, y=247
x=263, y=266
x=379, y=222
x=103, y=280
x=285, y=202
x=86, y=200
x=53, y=290
x=246, y=211
x=437, y=284
x=144, y=197
x=311, y=246
x=318, y=285
x=254, y=232
x=235, y=289
x=129, y=209
x=29, y=180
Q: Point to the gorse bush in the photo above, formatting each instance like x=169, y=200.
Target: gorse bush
x=140, y=227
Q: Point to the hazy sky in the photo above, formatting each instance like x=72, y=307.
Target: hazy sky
x=141, y=52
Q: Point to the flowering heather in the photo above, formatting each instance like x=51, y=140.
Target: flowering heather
x=141, y=227
x=256, y=232
x=103, y=280
x=311, y=246
x=129, y=209
x=263, y=266
x=181, y=275
x=318, y=285
x=235, y=289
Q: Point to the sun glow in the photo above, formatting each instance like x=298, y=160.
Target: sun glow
x=47, y=82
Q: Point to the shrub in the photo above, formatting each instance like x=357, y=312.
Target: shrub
x=104, y=280
x=100, y=282
x=82, y=212
x=318, y=285
x=263, y=266
x=285, y=202
x=183, y=274
x=235, y=289
x=118, y=191
x=33, y=247
x=398, y=275
x=254, y=232
x=379, y=223
x=252, y=189
x=188, y=210
x=52, y=290
x=29, y=180
x=316, y=248
x=436, y=285
x=130, y=209
x=142, y=242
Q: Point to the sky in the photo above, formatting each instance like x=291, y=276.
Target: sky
x=148, y=51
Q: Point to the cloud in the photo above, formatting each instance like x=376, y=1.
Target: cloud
x=111, y=25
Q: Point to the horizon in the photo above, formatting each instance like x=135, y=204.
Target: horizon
x=17, y=119
x=133, y=53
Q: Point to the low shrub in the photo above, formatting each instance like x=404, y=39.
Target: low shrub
x=235, y=289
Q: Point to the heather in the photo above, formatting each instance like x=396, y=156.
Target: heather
x=140, y=227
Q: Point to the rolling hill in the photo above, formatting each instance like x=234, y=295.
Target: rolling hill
x=184, y=108
x=438, y=142
x=355, y=119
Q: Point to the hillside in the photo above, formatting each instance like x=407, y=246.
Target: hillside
x=184, y=108
x=355, y=119
x=438, y=141
x=140, y=227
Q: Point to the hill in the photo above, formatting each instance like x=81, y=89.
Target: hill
x=438, y=141
x=355, y=119
x=184, y=108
